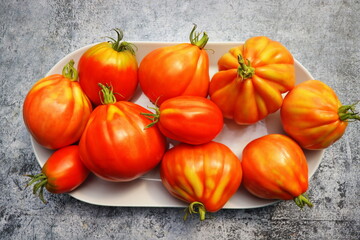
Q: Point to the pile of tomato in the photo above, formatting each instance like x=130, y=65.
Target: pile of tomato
x=86, y=116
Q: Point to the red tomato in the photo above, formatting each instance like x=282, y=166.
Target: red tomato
x=63, y=172
x=113, y=63
x=251, y=79
x=275, y=167
x=206, y=176
x=56, y=110
x=188, y=119
x=177, y=70
x=313, y=115
x=115, y=144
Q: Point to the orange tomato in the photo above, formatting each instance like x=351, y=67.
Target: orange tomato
x=115, y=145
x=274, y=167
x=63, y=172
x=206, y=176
x=313, y=115
x=188, y=119
x=177, y=70
x=56, y=110
x=251, y=79
x=113, y=63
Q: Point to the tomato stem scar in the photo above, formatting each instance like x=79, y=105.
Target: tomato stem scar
x=197, y=208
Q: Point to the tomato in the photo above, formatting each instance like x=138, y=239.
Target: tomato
x=113, y=63
x=274, y=167
x=63, y=172
x=177, y=70
x=206, y=176
x=251, y=79
x=188, y=119
x=313, y=115
x=56, y=110
x=115, y=145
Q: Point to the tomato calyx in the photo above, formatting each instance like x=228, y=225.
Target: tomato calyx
x=107, y=93
x=70, y=72
x=197, y=208
x=40, y=180
x=303, y=200
x=244, y=70
x=154, y=117
x=348, y=113
x=119, y=46
x=194, y=38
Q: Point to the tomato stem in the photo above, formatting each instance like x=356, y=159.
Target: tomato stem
x=302, y=200
x=245, y=71
x=119, y=46
x=154, y=117
x=194, y=38
x=348, y=113
x=108, y=96
x=39, y=181
x=69, y=71
x=197, y=208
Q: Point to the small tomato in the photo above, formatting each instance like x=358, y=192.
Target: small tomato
x=188, y=119
x=62, y=172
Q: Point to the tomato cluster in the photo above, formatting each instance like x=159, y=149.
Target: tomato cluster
x=94, y=127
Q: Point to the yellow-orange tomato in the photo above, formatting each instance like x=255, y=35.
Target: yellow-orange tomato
x=274, y=167
x=179, y=70
x=251, y=79
x=206, y=176
x=313, y=115
x=56, y=110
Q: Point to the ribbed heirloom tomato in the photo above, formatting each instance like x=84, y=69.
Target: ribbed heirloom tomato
x=115, y=145
x=113, y=63
x=206, y=176
x=251, y=79
x=62, y=172
x=274, y=167
x=177, y=70
x=56, y=110
x=188, y=119
x=313, y=115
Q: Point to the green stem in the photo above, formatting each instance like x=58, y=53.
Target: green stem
x=154, y=117
x=194, y=38
x=70, y=72
x=303, y=200
x=245, y=71
x=197, y=208
x=108, y=96
x=119, y=46
x=348, y=112
x=39, y=181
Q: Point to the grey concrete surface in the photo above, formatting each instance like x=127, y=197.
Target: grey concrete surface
x=323, y=35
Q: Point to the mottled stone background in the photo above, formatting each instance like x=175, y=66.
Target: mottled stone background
x=324, y=35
